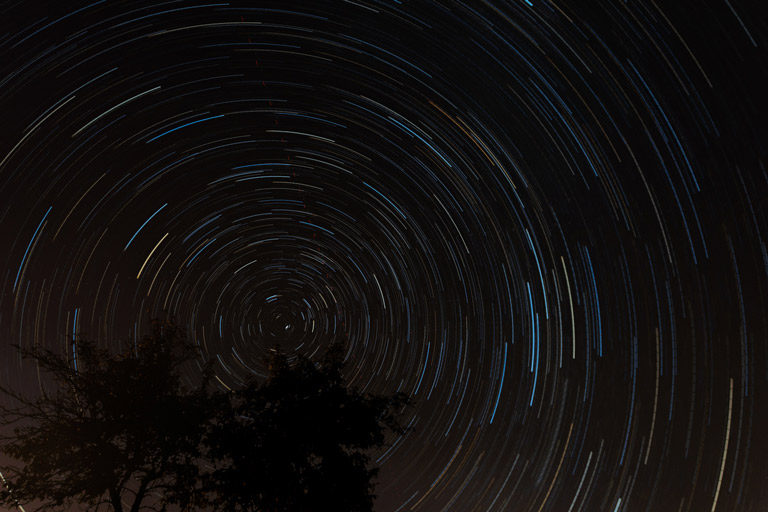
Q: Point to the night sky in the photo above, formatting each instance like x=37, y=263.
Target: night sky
x=546, y=221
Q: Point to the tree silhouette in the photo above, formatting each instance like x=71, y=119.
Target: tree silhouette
x=115, y=429
x=123, y=432
x=302, y=441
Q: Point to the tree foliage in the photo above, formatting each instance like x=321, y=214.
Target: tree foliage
x=124, y=432
x=115, y=430
x=302, y=441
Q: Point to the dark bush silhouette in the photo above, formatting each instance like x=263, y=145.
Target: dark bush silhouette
x=301, y=441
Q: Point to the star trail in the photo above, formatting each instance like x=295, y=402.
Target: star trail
x=543, y=220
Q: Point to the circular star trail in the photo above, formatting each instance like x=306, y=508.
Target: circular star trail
x=545, y=221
